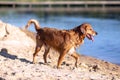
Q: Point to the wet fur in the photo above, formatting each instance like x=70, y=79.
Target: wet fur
x=64, y=41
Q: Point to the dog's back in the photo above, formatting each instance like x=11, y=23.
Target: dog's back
x=54, y=37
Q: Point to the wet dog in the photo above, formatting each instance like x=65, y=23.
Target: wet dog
x=64, y=41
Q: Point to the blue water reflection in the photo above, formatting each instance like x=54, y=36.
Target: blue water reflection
x=106, y=45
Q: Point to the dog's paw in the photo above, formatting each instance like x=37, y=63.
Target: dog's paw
x=73, y=68
x=55, y=67
x=46, y=63
x=34, y=62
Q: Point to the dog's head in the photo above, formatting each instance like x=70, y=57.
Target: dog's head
x=88, y=31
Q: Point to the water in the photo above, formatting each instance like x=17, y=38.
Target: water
x=106, y=45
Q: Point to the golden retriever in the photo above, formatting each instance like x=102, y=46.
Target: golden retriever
x=64, y=41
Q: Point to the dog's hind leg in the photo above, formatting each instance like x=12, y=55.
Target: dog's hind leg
x=47, y=48
x=39, y=44
x=76, y=56
x=37, y=49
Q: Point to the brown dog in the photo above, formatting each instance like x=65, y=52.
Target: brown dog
x=64, y=41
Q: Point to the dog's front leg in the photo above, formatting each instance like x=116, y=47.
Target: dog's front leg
x=61, y=57
x=76, y=56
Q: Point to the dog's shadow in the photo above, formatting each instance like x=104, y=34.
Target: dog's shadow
x=4, y=53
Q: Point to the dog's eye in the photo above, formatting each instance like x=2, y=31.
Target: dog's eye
x=91, y=29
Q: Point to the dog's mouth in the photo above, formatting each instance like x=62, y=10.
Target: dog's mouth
x=90, y=37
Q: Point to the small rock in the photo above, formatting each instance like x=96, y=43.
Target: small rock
x=67, y=64
x=63, y=63
x=95, y=68
x=2, y=78
x=13, y=73
x=113, y=78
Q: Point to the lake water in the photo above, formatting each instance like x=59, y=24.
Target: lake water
x=106, y=45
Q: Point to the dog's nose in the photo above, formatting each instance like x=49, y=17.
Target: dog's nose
x=96, y=33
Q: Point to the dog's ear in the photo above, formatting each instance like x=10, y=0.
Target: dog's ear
x=83, y=28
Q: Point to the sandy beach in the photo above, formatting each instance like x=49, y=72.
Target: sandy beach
x=16, y=51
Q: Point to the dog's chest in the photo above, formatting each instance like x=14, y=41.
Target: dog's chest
x=76, y=42
x=71, y=51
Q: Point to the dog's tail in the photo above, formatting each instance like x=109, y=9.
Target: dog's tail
x=35, y=22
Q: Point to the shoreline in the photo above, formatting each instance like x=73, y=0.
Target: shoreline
x=16, y=55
